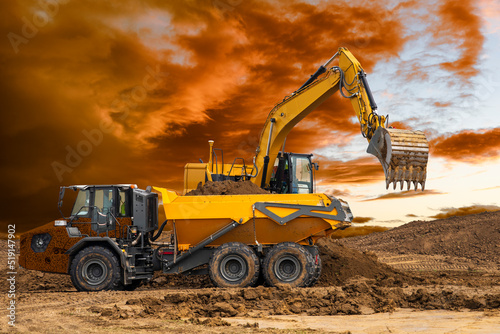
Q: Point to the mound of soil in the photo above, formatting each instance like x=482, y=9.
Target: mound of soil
x=227, y=188
x=473, y=237
x=340, y=264
x=360, y=296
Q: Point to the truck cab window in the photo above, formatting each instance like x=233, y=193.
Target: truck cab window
x=104, y=200
x=123, y=206
x=82, y=202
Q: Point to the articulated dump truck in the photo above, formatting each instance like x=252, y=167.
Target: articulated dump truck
x=112, y=239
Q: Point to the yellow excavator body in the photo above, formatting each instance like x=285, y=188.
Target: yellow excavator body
x=402, y=153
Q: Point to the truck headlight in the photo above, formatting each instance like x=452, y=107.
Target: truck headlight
x=60, y=223
x=40, y=242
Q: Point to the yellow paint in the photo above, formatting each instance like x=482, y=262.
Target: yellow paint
x=197, y=217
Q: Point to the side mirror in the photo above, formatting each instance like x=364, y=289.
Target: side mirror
x=315, y=165
x=61, y=196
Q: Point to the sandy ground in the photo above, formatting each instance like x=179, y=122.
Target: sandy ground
x=424, y=277
x=72, y=312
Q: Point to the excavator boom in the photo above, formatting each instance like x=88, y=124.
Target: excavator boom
x=402, y=153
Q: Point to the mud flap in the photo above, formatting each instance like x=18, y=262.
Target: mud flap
x=403, y=155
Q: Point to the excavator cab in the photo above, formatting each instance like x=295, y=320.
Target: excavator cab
x=293, y=173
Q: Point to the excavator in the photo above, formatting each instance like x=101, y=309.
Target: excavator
x=403, y=154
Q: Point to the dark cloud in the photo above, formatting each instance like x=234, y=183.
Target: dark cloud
x=464, y=211
x=362, y=220
x=405, y=194
x=468, y=146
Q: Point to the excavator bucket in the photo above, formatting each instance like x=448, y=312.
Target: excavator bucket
x=403, y=155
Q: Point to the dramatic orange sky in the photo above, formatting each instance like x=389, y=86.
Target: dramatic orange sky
x=97, y=92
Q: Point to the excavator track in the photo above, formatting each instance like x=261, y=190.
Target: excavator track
x=403, y=155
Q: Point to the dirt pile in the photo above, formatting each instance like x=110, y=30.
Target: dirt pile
x=359, y=296
x=177, y=281
x=474, y=237
x=227, y=188
x=340, y=264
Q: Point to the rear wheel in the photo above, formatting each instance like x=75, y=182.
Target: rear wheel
x=95, y=268
x=289, y=263
x=234, y=265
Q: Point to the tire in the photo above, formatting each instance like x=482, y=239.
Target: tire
x=260, y=280
x=234, y=265
x=95, y=268
x=317, y=265
x=289, y=263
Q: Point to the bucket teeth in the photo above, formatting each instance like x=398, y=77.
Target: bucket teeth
x=403, y=155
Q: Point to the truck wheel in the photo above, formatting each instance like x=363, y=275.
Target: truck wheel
x=317, y=266
x=289, y=263
x=95, y=268
x=234, y=265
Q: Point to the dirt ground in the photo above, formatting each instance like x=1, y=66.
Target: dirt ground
x=435, y=277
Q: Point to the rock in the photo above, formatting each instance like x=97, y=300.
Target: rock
x=250, y=294
x=225, y=308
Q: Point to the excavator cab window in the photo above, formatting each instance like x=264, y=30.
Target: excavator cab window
x=301, y=176
x=279, y=179
x=292, y=174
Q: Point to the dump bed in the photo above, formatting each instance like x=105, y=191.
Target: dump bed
x=263, y=219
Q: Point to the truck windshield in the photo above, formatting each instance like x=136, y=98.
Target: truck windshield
x=302, y=176
x=82, y=202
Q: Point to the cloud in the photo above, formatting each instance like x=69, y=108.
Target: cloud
x=405, y=194
x=362, y=220
x=359, y=171
x=488, y=188
x=459, y=26
x=338, y=192
x=468, y=146
x=464, y=211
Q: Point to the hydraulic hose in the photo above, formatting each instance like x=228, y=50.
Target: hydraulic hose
x=153, y=238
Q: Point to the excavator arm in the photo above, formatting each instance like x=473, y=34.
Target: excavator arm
x=402, y=153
